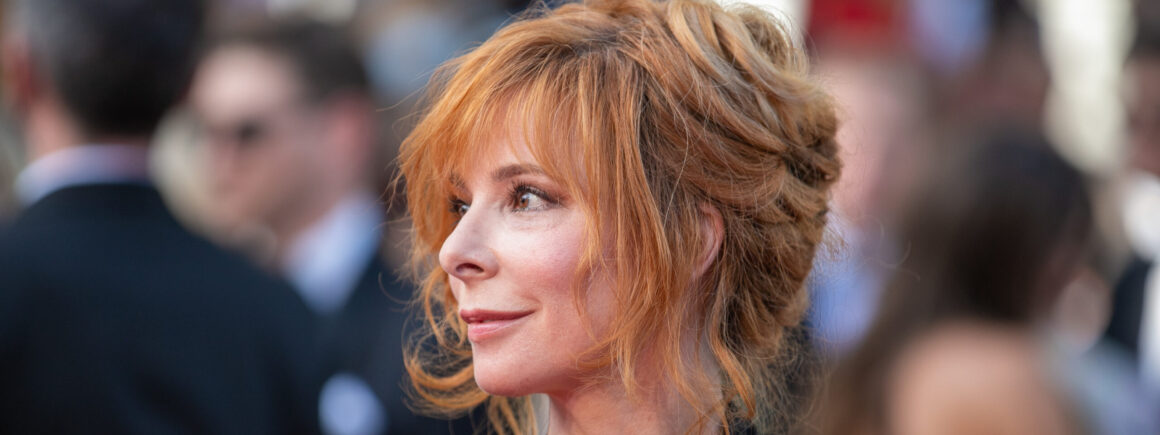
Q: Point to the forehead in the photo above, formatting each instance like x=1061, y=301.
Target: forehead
x=241, y=78
x=486, y=124
x=495, y=152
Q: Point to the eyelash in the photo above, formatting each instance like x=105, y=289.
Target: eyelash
x=520, y=190
x=458, y=207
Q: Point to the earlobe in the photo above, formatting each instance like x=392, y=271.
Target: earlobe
x=713, y=235
x=17, y=75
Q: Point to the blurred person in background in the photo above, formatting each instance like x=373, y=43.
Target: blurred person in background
x=9, y=159
x=288, y=125
x=884, y=104
x=883, y=144
x=907, y=73
x=9, y=155
x=403, y=42
x=1143, y=71
x=1135, y=318
x=113, y=317
x=956, y=347
x=1007, y=84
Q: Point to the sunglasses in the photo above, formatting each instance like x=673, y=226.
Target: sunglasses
x=254, y=129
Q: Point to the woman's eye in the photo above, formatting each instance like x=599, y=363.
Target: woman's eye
x=527, y=198
x=459, y=207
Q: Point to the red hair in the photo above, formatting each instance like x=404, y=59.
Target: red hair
x=647, y=112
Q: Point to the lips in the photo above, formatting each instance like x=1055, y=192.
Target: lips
x=485, y=324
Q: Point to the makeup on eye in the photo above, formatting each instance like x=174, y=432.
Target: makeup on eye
x=525, y=198
x=520, y=198
x=458, y=207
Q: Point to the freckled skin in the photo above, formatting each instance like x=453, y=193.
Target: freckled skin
x=516, y=248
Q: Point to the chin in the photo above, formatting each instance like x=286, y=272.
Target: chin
x=507, y=382
x=508, y=378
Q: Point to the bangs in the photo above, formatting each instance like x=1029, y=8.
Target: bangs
x=648, y=115
x=534, y=119
x=550, y=108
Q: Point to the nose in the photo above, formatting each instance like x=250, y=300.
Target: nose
x=222, y=161
x=467, y=253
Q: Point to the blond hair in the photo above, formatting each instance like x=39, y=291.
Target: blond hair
x=647, y=112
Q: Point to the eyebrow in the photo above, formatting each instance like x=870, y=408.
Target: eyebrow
x=502, y=174
x=515, y=170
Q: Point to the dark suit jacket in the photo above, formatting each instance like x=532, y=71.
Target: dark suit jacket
x=115, y=319
x=1128, y=307
x=367, y=338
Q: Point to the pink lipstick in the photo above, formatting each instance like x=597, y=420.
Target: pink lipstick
x=484, y=324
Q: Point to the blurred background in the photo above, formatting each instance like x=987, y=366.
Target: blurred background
x=917, y=82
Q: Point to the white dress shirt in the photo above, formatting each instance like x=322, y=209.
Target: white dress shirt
x=326, y=261
x=325, y=264
x=81, y=165
x=1141, y=213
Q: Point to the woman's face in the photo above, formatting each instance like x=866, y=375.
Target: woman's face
x=511, y=262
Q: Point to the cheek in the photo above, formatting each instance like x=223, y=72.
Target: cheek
x=546, y=260
x=280, y=167
x=261, y=179
x=544, y=267
x=256, y=174
x=601, y=302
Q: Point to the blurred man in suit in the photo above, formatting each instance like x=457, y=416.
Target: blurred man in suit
x=288, y=124
x=113, y=317
x=1135, y=321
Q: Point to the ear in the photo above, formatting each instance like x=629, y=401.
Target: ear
x=351, y=126
x=713, y=234
x=18, y=73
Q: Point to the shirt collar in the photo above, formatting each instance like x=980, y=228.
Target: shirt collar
x=81, y=165
x=326, y=261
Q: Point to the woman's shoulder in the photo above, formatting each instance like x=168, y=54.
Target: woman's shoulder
x=974, y=349
x=974, y=378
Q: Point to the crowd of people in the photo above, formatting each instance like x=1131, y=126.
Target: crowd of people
x=605, y=216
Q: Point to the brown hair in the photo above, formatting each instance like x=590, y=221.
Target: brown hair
x=991, y=238
x=323, y=58
x=647, y=112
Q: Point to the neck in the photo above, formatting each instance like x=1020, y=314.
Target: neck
x=48, y=130
x=290, y=229
x=658, y=408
